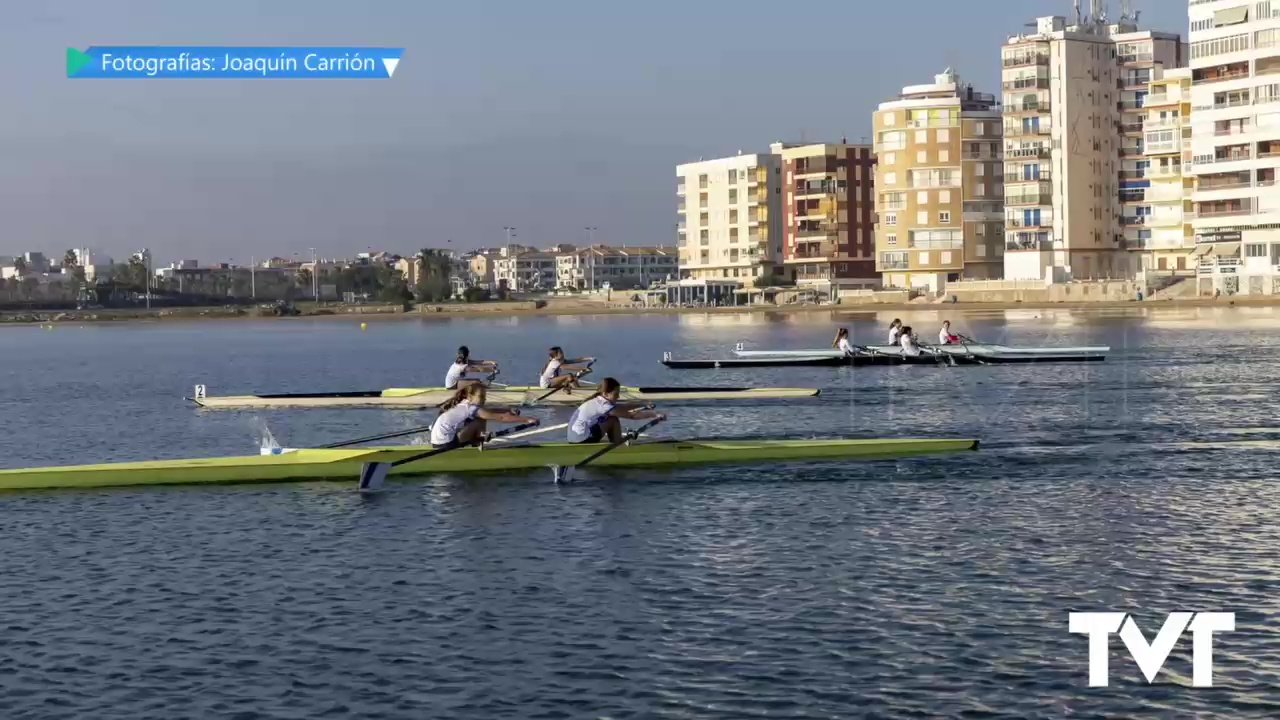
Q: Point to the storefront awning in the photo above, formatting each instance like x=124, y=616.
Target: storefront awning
x=1227, y=250
x=1201, y=250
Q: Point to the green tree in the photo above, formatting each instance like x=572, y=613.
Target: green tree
x=433, y=275
x=136, y=272
x=71, y=262
x=304, y=282
x=20, y=264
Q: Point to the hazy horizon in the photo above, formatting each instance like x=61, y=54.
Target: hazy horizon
x=546, y=118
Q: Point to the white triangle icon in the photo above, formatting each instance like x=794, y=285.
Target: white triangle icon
x=391, y=64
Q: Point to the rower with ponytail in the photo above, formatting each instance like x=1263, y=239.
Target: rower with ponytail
x=601, y=415
x=464, y=418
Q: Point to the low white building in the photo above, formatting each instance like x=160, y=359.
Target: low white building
x=620, y=268
x=525, y=271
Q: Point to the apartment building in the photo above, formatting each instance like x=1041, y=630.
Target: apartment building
x=938, y=182
x=729, y=214
x=1169, y=240
x=828, y=228
x=1074, y=98
x=617, y=267
x=1235, y=144
x=524, y=270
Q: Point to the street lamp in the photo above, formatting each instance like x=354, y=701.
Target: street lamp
x=515, y=257
x=591, y=258
x=315, y=277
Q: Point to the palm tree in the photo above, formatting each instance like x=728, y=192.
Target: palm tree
x=433, y=275
x=71, y=261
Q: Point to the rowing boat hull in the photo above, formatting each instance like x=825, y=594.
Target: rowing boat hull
x=982, y=350
x=511, y=395
x=877, y=359
x=345, y=464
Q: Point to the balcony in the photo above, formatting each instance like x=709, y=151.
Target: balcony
x=1034, y=106
x=893, y=261
x=1036, y=83
x=1220, y=265
x=1041, y=245
x=819, y=188
x=1037, y=223
x=1133, y=220
x=1025, y=60
x=1042, y=153
x=1133, y=175
x=1218, y=210
x=1029, y=199
x=680, y=189
x=818, y=233
x=813, y=251
x=957, y=244
x=1164, y=171
x=1221, y=73
x=1012, y=131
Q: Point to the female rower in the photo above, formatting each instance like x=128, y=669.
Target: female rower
x=456, y=378
x=910, y=346
x=895, y=331
x=463, y=419
x=556, y=364
x=601, y=415
x=944, y=335
x=842, y=343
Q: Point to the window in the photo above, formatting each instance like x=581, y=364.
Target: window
x=733, y=235
x=893, y=201
x=923, y=258
x=733, y=196
x=922, y=217
x=702, y=200
x=944, y=217
x=944, y=197
x=890, y=119
x=893, y=140
x=890, y=219
x=978, y=128
x=981, y=248
x=980, y=190
x=704, y=236
x=922, y=136
x=704, y=219
x=979, y=169
x=946, y=258
x=944, y=135
x=891, y=178
x=733, y=177
x=922, y=156
x=922, y=197
x=944, y=155
x=733, y=216
x=1208, y=48
x=890, y=158
x=1255, y=250
x=890, y=239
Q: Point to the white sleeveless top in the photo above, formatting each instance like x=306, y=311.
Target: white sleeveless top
x=893, y=335
x=909, y=346
x=845, y=347
x=445, y=429
x=588, y=415
x=551, y=370
x=456, y=372
x=943, y=336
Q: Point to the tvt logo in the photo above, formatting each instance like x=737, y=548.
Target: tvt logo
x=1150, y=657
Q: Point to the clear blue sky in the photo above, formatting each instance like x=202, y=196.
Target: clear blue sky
x=548, y=116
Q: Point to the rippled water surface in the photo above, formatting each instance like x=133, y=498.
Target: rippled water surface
x=930, y=587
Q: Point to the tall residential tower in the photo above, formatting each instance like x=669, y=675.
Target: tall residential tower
x=939, y=186
x=730, y=218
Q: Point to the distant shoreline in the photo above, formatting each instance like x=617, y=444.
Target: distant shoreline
x=380, y=313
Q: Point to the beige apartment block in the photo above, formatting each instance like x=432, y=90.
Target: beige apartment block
x=617, y=268
x=1073, y=108
x=729, y=214
x=939, y=187
x=1170, y=241
x=828, y=197
x=1235, y=145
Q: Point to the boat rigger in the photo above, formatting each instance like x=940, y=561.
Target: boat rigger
x=347, y=464
x=498, y=395
x=981, y=349
x=883, y=355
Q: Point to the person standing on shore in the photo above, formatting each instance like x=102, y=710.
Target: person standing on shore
x=552, y=373
x=455, y=378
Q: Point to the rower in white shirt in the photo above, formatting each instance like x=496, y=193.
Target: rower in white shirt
x=557, y=364
x=601, y=415
x=944, y=335
x=455, y=378
x=842, y=343
x=895, y=331
x=910, y=347
x=464, y=418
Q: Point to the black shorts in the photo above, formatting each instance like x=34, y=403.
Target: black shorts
x=595, y=436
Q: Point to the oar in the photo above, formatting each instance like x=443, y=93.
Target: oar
x=964, y=342
x=563, y=474
x=538, y=431
x=384, y=436
x=372, y=474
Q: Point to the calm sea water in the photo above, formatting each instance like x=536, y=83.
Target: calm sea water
x=930, y=587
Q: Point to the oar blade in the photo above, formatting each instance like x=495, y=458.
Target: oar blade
x=373, y=476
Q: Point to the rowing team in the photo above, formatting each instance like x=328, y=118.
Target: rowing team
x=464, y=418
x=558, y=373
x=900, y=335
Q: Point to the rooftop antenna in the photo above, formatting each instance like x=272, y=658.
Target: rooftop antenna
x=1076, y=5
x=1126, y=10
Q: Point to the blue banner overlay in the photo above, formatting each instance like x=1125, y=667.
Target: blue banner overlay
x=232, y=62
